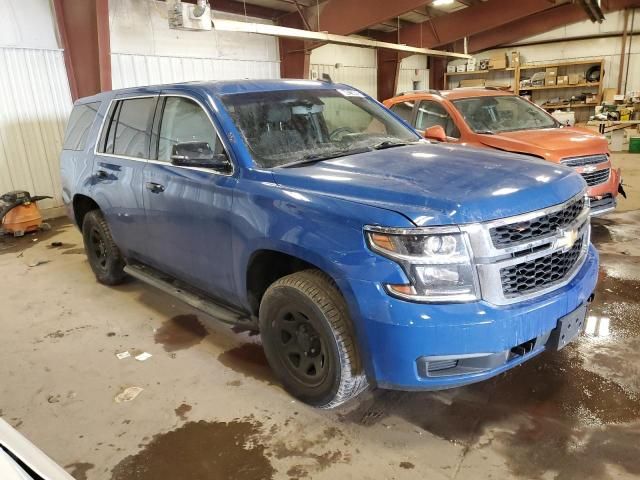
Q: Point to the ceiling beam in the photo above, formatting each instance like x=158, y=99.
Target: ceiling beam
x=232, y=6
x=344, y=17
x=473, y=20
x=541, y=22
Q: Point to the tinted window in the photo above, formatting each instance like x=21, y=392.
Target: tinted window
x=80, y=121
x=404, y=110
x=432, y=113
x=133, y=127
x=184, y=121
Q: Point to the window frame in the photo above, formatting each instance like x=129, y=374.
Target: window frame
x=155, y=135
x=446, y=110
x=107, y=124
x=414, y=109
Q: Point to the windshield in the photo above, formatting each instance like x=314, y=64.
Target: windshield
x=301, y=126
x=502, y=114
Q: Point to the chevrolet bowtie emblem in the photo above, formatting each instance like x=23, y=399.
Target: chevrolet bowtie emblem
x=567, y=239
x=589, y=169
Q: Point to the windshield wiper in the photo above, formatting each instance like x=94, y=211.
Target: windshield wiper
x=317, y=157
x=390, y=144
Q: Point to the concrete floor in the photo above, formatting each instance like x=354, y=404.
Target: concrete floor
x=210, y=408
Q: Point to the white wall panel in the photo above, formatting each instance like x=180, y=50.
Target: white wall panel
x=146, y=51
x=351, y=65
x=134, y=70
x=34, y=106
x=413, y=69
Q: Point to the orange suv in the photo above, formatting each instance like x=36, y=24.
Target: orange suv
x=504, y=121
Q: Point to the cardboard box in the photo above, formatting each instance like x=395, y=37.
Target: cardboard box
x=472, y=61
x=592, y=99
x=562, y=80
x=608, y=95
x=471, y=68
x=498, y=62
x=461, y=68
x=549, y=81
x=515, y=59
x=551, y=72
x=574, y=78
x=451, y=68
x=475, y=82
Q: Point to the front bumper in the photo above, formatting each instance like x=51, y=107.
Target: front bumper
x=603, y=197
x=396, y=335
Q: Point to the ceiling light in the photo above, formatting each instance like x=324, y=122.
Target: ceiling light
x=439, y=3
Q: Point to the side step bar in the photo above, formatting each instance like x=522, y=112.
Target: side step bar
x=183, y=293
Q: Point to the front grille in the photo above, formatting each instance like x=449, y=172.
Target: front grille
x=543, y=226
x=539, y=273
x=582, y=161
x=597, y=177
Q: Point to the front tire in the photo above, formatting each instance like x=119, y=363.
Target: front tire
x=102, y=252
x=308, y=340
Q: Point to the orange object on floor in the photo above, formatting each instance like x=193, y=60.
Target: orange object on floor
x=22, y=219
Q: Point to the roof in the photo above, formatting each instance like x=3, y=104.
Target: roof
x=455, y=94
x=223, y=87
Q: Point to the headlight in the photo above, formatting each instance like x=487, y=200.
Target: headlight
x=437, y=262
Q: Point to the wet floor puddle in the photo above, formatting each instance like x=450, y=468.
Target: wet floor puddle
x=201, y=450
x=180, y=332
x=249, y=360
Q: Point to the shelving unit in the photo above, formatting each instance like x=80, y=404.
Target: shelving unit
x=564, y=68
x=484, y=74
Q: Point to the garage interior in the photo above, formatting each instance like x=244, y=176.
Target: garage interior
x=206, y=397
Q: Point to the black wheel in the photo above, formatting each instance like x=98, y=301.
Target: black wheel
x=308, y=340
x=104, y=256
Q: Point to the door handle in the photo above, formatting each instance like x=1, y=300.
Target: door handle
x=102, y=174
x=154, y=187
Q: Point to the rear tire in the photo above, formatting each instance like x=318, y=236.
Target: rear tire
x=104, y=255
x=308, y=340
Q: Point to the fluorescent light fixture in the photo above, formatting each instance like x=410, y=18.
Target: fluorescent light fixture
x=276, y=31
x=439, y=3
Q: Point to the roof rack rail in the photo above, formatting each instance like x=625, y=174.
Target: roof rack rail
x=431, y=91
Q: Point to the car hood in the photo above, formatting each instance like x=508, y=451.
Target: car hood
x=552, y=144
x=438, y=184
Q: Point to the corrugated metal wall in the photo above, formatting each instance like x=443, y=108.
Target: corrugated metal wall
x=413, y=69
x=130, y=70
x=34, y=106
x=363, y=78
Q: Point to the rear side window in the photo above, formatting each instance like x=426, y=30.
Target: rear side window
x=80, y=122
x=431, y=114
x=403, y=110
x=128, y=128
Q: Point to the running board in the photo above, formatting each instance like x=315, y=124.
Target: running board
x=181, y=292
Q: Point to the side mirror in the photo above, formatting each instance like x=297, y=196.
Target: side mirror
x=436, y=133
x=198, y=154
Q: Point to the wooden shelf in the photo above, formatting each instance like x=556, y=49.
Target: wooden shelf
x=572, y=105
x=579, y=85
x=482, y=72
x=561, y=64
x=477, y=72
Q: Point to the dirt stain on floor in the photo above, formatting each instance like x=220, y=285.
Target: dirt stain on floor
x=201, y=450
x=249, y=360
x=182, y=411
x=79, y=470
x=180, y=332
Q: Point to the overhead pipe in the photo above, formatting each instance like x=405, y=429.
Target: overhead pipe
x=286, y=32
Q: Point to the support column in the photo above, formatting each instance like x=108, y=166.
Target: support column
x=388, y=72
x=84, y=32
x=295, y=54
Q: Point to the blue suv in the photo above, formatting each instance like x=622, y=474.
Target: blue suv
x=364, y=255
